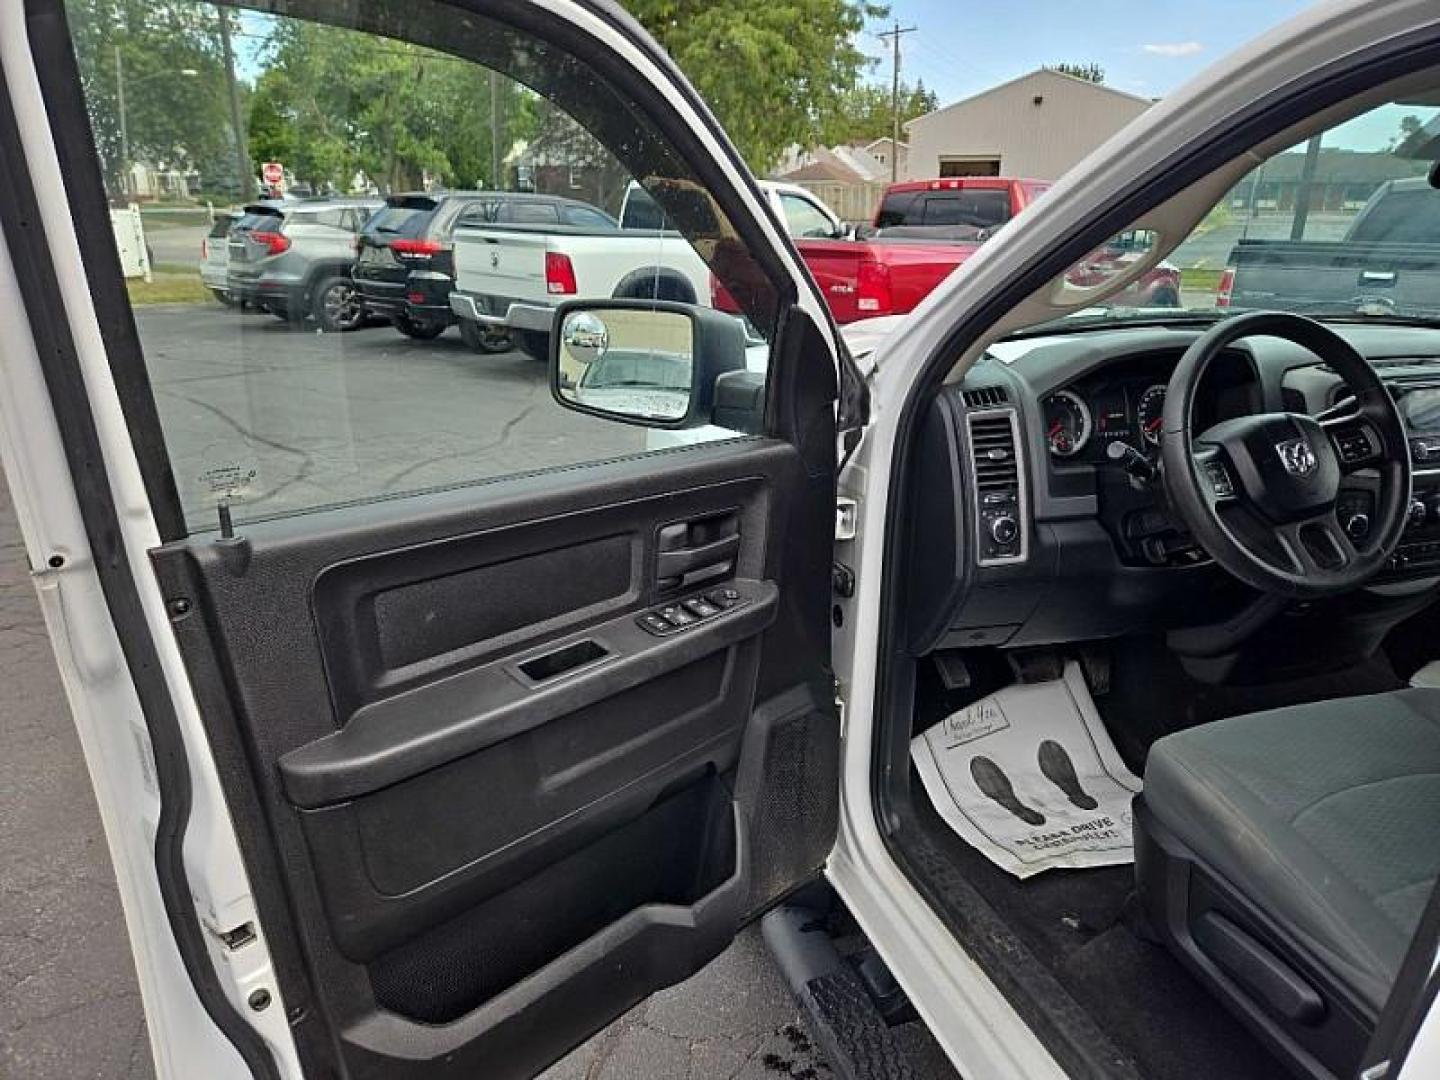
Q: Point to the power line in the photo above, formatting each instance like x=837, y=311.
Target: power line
x=895, y=34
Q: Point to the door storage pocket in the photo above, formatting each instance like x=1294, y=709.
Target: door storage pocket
x=665, y=888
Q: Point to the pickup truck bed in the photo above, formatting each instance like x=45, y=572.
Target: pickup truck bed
x=1310, y=275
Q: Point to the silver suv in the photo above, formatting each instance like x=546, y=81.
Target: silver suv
x=294, y=259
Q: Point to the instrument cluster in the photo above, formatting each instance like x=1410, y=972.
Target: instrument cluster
x=1082, y=421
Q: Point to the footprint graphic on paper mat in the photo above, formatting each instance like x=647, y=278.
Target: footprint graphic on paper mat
x=994, y=784
x=1055, y=763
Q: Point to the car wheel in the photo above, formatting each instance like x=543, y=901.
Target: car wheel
x=484, y=339
x=420, y=331
x=336, y=306
x=224, y=297
x=1165, y=298
x=534, y=344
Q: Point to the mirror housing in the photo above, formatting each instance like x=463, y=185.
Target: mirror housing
x=652, y=363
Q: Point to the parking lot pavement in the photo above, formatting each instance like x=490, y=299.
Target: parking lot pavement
x=329, y=418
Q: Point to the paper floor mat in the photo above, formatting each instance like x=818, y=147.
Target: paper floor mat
x=1029, y=776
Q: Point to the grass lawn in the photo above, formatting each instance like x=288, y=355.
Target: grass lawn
x=168, y=288
x=1199, y=279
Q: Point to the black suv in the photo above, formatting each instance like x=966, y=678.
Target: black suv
x=405, y=262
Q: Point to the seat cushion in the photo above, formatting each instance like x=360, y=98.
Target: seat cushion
x=1325, y=815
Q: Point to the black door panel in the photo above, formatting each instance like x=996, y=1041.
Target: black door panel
x=505, y=809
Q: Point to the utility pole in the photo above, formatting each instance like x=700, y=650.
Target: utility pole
x=495, y=184
x=237, y=121
x=124, y=126
x=894, y=35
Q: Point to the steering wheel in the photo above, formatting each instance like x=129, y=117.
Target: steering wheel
x=1259, y=492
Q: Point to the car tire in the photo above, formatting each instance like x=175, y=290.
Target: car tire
x=484, y=339
x=335, y=304
x=420, y=331
x=1165, y=298
x=224, y=297
x=533, y=343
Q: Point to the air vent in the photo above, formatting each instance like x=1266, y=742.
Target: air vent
x=1001, y=513
x=985, y=397
x=992, y=441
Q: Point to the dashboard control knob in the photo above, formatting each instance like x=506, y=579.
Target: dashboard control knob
x=1357, y=526
x=1418, y=512
x=1004, y=529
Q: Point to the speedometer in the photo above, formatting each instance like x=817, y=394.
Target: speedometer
x=1068, y=423
x=1150, y=413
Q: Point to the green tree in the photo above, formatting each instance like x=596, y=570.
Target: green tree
x=332, y=103
x=864, y=111
x=1089, y=72
x=775, y=72
x=172, y=119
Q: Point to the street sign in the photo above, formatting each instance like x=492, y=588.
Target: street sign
x=273, y=173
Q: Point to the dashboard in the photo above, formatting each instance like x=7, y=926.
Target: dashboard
x=1040, y=518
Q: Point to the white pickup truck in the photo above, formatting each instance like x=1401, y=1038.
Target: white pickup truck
x=510, y=275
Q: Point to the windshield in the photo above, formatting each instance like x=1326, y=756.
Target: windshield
x=1343, y=225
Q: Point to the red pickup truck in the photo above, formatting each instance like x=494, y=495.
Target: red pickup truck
x=924, y=230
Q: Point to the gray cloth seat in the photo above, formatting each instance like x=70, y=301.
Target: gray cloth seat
x=1324, y=816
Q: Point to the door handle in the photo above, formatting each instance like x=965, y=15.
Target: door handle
x=678, y=562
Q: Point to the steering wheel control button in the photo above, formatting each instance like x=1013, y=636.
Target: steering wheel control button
x=1355, y=446
x=1418, y=513
x=1221, y=486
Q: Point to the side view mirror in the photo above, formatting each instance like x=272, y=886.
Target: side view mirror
x=649, y=362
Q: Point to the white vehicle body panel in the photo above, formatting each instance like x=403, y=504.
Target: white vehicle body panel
x=509, y=264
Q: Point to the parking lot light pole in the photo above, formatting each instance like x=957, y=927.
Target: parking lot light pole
x=188, y=73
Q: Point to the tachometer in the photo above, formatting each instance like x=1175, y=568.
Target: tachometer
x=1150, y=413
x=1068, y=423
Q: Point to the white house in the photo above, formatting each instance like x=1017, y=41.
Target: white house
x=1036, y=126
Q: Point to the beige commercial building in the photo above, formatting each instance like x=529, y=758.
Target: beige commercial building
x=1037, y=126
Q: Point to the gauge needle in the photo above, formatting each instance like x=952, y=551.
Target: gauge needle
x=1154, y=425
x=1057, y=428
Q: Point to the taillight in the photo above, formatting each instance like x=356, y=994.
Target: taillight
x=872, y=289
x=275, y=243
x=559, y=274
x=416, y=249
x=720, y=298
x=1226, y=288
x=415, y=297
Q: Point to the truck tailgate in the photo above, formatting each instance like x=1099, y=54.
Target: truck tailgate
x=501, y=262
x=861, y=279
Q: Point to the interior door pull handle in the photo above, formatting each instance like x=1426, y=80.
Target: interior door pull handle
x=681, y=561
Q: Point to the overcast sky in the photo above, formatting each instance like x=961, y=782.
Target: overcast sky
x=1147, y=47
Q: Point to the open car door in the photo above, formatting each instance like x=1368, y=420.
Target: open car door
x=360, y=630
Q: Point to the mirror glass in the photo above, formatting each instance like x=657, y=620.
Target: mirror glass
x=633, y=363
x=1112, y=259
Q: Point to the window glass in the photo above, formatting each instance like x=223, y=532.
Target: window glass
x=980, y=209
x=803, y=218
x=532, y=213
x=397, y=393
x=585, y=218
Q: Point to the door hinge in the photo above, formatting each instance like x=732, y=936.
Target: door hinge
x=847, y=516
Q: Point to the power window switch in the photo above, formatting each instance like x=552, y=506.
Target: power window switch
x=655, y=624
x=678, y=616
x=701, y=608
